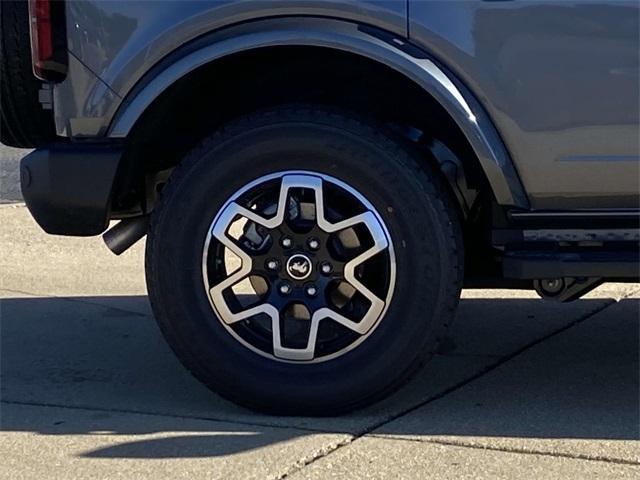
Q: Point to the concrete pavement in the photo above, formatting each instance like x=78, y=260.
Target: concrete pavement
x=89, y=389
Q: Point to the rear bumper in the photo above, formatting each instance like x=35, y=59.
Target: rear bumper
x=67, y=187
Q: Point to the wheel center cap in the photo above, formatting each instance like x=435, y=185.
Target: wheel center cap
x=299, y=266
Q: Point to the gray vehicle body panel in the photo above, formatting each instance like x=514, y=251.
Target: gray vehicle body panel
x=546, y=91
x=560, y=81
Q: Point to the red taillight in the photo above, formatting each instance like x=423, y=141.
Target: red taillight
x=43, y=49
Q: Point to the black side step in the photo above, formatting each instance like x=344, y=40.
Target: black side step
x=589, y=219
x=536, y=264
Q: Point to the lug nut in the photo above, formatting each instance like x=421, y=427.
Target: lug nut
x=311, y=290
x=313, y=243
x=273, y=264
x=285, y=289
x=286, y=242
x=326, y=268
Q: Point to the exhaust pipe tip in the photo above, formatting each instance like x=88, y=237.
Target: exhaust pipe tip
x=125, y=233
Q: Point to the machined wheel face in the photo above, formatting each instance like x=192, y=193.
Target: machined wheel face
x=299, y=267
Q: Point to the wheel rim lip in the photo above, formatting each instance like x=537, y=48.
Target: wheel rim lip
x=361, y=198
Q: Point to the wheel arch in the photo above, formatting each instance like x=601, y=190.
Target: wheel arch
x=382, y=47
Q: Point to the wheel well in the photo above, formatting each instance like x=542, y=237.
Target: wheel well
x=208, y=97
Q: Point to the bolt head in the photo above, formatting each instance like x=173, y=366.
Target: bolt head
x=313, y=243
x=272, y=264
x=553, y=286
x=285, y=289
x=311, y=291
x=286, y=242
x=325, y=268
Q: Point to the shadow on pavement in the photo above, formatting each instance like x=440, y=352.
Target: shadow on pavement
x=115, y=371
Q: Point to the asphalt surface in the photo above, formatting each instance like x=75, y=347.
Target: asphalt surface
x=89, y=389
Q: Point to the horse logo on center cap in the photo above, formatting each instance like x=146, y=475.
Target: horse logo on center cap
x=299, y=267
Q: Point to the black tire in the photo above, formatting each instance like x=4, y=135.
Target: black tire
x=412, y=202
x=23, y=122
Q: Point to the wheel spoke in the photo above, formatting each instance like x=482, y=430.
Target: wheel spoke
x=219, y=231
x=306, y=353
x=380, y=243
x=233, y=210
x=325, y=313
x=329, y=227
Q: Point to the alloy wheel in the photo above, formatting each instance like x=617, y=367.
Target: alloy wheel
x=299, y=267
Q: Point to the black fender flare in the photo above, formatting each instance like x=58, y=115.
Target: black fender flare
x=389, y=49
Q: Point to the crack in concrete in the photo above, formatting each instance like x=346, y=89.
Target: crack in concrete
x=465, y=382
x=321, y=453
x=524, y=451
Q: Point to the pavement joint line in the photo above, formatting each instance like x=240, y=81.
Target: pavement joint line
x=323, y=452
x=75, y=299
x=489, y=368
x=159, y=414
x=524, y=451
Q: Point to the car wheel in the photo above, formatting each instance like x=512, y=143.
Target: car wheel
x=301, y=262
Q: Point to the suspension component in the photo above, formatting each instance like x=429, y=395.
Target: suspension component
x=565, y=289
